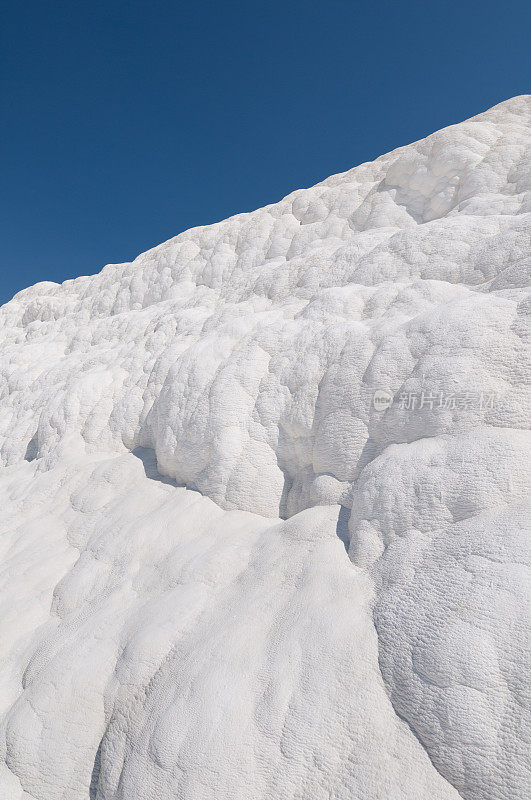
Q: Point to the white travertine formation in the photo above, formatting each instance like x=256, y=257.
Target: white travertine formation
x=191, y=443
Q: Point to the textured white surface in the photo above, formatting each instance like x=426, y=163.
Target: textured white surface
x=216, y=640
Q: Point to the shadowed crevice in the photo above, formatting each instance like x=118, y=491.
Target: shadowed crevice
x=32, y=449
x=342, y=530
x=95, y=776
x=149, y=461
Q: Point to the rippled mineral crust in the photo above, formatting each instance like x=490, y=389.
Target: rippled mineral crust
x=224, y=572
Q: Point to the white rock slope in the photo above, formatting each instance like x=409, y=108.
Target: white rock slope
x=191, y=443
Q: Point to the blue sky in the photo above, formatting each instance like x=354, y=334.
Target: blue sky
x=128, y=122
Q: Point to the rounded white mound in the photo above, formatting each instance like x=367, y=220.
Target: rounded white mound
x=164, y=644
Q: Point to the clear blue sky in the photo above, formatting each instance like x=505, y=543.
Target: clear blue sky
x=128, y=122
